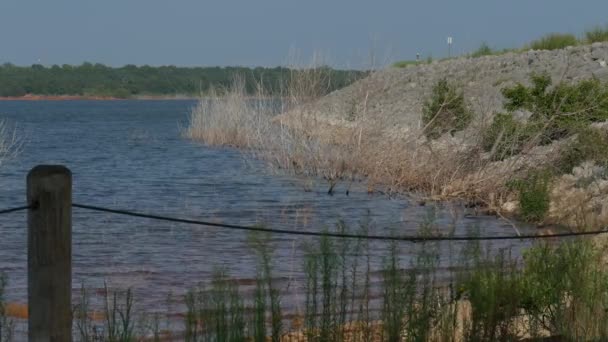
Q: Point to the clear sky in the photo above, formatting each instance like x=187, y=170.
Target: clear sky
x=262, y=32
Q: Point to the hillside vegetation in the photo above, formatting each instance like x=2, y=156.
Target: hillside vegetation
x=551, y=41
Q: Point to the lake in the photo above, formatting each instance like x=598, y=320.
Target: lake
x=130, y=155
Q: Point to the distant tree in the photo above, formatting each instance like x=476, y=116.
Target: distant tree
x=129, y=80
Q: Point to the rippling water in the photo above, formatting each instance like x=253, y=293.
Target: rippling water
x=130, y=155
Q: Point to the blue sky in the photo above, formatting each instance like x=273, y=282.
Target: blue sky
x=262, y=32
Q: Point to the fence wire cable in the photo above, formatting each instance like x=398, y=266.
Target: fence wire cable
x=336, y=235
x=15, y=209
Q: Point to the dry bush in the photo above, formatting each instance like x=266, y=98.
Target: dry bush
x=292, y=141
x=302, y=141
x=579, y=199
x=230, y=117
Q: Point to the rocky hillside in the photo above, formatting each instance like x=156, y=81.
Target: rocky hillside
x=395, y=96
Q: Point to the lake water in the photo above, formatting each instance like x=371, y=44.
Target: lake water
x=130, y=155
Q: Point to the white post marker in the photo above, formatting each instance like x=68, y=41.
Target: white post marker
x=449, y=47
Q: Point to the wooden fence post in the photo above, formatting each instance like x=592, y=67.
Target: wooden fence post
x=49, y=257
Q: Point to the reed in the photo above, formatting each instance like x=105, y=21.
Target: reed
x=215, y=312
x=556, y=290
x=6, y=324
x=10, y=142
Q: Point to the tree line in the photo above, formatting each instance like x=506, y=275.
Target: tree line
x=90, y=79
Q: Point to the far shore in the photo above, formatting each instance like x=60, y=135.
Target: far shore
x=90, y=98
x=109, y=98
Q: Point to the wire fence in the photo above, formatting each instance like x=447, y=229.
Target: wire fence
x=372, y=301
x=412, y=239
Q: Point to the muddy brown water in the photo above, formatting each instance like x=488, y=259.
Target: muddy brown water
x=130, y=155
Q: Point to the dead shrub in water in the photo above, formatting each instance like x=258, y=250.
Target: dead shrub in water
x=290, y=143
x=230, y=117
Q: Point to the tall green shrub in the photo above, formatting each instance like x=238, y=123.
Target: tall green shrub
x=215, y=312
x=492, y=286
x=591, y=144
x=561, y=110
x=266, y=291
x=445, y=111
x=555, y=113
x=565, y=290
x=534, y=195
x=506, y=136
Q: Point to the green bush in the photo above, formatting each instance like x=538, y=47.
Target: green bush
x=565, y=290
x=591, y=144
x=533, y=195
x=554, y=41
x=493, y=287
x=598, y=34
x=506, y=136
x=445, y=111
x=483, y=50
x=557, y=289
x=405, y=64
x=560, y=111
x=556, y=113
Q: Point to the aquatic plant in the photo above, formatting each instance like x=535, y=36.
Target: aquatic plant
x=6, y=324
x=554, y=290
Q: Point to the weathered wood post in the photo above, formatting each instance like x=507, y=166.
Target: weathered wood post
x=49, y=257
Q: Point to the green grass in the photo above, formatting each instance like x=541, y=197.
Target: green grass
x=534, y=198
x=554, y=41
x=597, y=34
x=591, y=144
x=483, y=50
x=407, y=63
x=560, y=289
x=492, y=288
x=564, y=290
x=216, y=312
x=414, y=307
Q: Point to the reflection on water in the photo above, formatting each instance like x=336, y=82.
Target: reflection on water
x=129, y=155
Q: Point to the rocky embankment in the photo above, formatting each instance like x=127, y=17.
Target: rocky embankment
x=391, y=101
x=395, y=96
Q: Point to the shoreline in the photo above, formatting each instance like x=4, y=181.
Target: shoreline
x=108, y=98
x=89, y=98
